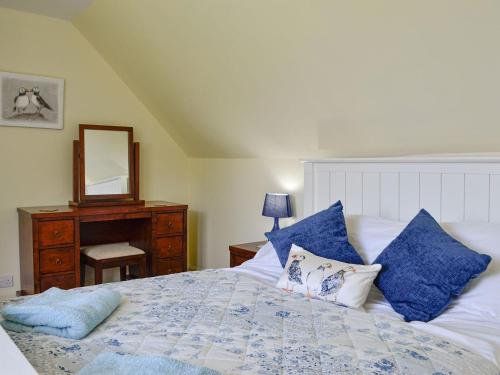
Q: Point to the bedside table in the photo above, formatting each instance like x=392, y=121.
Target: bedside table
x=243, y=252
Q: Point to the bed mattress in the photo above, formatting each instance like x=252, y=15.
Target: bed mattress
x=237, y=324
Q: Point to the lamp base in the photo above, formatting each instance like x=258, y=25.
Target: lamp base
x=276, y=224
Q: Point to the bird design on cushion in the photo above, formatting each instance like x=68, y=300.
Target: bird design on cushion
x=21, y=101
x=332, y=284
x=294, y=272
x=322, y=269
x=38, y=101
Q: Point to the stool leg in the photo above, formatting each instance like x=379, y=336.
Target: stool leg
x=98, y=274
x=142, y=268
x=82, y=274
x=123, y=273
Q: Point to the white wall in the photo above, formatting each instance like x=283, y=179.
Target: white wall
x=36, y=164
x=226, y=197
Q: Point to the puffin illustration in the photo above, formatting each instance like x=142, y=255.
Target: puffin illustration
x=333, y=283
x=38, y=101
x=294, y=271
x=21, y=101
x=322, y=269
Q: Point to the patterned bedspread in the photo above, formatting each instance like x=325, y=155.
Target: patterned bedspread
x=237, y=325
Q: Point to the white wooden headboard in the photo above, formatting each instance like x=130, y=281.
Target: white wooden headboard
x=452, y=189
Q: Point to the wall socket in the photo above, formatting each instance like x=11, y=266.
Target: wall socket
x=6, y=281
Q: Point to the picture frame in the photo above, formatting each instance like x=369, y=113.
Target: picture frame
x=31, y=101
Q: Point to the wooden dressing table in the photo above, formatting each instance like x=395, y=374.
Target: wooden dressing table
x=50, y=237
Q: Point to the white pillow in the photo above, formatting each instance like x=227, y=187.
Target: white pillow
x=265, y=265
x=327, y=279
x=478, y=296
x=371, y=235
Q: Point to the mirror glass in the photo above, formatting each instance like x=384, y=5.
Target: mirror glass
x=106, y=162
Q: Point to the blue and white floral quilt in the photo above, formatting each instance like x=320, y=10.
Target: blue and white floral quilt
x=237, y=325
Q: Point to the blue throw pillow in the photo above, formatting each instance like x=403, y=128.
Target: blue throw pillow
x=324, y=234
x=424, y=268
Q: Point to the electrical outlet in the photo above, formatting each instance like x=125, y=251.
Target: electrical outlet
x=6, y=281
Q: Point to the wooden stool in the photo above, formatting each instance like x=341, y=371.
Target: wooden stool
x=109, y=256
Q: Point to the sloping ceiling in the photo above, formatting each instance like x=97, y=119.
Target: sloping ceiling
x=65, y=9
x=296, y=78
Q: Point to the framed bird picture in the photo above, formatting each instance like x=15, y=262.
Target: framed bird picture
x=31, y=101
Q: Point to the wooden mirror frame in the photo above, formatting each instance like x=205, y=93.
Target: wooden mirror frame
x=80, y=198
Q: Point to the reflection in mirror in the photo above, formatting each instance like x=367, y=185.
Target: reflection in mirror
x=106, y=162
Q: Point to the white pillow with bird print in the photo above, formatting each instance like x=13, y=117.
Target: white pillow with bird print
x=327, y=279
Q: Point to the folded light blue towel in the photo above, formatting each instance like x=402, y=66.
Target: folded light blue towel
x=117, y=364
x=72, y=314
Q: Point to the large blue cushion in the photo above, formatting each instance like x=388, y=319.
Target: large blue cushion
x=424, y=267
x=324, y=234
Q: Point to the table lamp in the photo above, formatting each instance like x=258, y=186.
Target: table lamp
x=277, y=205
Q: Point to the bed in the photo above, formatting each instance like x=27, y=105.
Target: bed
x=237, y=322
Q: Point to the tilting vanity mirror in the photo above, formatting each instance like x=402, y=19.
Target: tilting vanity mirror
x=106, y=163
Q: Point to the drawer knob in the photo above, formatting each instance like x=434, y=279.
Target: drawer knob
x=169, y=270
x=170, y=246
x=56, y=233
x=58, y=261
x=170, y=225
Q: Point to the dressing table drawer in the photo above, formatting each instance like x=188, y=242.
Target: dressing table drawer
x=170, y=223
x=57, y=260
x=169, y=266
x=65, y=281
x=170, y=246
x=56, y=232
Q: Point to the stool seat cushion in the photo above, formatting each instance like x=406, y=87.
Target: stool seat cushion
x=110, y=251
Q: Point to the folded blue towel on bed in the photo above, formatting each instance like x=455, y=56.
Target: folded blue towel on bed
x=117, y=364
x=72, y=314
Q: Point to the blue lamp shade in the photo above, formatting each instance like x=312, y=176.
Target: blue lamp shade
x=277, y=205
